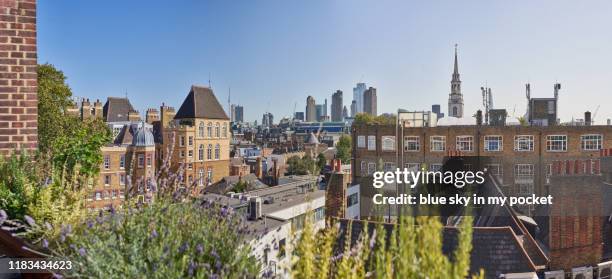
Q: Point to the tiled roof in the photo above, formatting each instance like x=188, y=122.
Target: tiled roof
x=201, y=103
x=116, y=109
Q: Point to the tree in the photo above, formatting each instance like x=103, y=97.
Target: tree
x=53, y=101
x=321, y=161
x=368, y=119
x=343, y=149
x=303, y=166
x=67, y=145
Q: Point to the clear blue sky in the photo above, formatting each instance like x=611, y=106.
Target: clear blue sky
x=274, y=54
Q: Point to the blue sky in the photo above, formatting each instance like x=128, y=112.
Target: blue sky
x=273, y=54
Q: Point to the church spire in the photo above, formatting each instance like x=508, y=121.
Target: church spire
x=455, y=98
x=456, y=70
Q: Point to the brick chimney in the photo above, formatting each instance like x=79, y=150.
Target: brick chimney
x=152, y=115
x=133, y=116
x=97, y=109
x=85, y=109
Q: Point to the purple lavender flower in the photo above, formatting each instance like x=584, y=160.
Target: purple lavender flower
x=57, y=276
x=154, y=234
x=200, y=248
x=3, y=216
x=191, y=269
x=45, y=243
x=82, y=252
x=29, y=220
x=183, y=248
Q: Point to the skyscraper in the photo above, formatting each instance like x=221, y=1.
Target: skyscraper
x=238, y=114
x=370, y=101
x=320, y=112
x=345, y=113
x=455, y=98
x=336, y=106
x=311, y=110
x=299, y=115
x=358, y=96
x=267, y=120
x=353, y=108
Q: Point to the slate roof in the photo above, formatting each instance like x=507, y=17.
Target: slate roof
x=116, y=109
x=496, y=250
x=201, y=103
x=226, y=184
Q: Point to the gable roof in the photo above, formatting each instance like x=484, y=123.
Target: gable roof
x=201, y=102
x=116, y=109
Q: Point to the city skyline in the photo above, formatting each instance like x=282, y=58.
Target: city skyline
x=269, y=49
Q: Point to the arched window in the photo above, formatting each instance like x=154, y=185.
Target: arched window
x=455, y=111
x=209, y=130
x=225, y=130
x=201, y=177
x=217, y=151
x=201, y=130
x=209, y=152
x=201, y=152
x=217, y=130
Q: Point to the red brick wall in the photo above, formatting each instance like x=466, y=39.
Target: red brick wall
x=18, y=84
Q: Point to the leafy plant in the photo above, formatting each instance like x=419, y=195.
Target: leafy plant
x=343, y=149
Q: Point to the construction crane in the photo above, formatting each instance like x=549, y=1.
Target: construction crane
x=595, y=114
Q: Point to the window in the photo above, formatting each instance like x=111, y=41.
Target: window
x=364, y=167
x=217, y=152
x=435, y=167
x=412, y=143
x=281, y=248
x=319, y=214
x=590, y=142
x=113, y=194
x=209, y=175
x=225, y=130
x=388, y=143
x=209, y=129
x=106, y=161
x=190, y=166
x=209, y=152
x=105, y=195
x=465, y=143
x=497, y=171
x=389, y=166
x=556, y=143
x=413, y=167
x=190, y=153
x=361, y=143
x=201, y=177
x=182, y=154
x=438, y=143
x=182, y=141
x=107, y=180
x=190, y=141
x=371, y=168
x=217, y=131
x=493, y=143
x=201, y=130
x=523, y=143
x=352, y=199
x=149, y=160
x=141, y=160
x=201, y=152
x=122, y=179
x=122, y=161
x=523, y=170
x=371, y=142
x=98, y=196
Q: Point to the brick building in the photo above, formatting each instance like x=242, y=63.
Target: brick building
x=18, y=78
x=521, y=156
x=199, y=138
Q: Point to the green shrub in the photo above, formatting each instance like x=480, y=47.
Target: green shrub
x=161, y=240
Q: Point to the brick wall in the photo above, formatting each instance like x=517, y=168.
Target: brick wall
x=18, y=83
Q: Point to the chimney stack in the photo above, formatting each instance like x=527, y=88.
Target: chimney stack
x=479, y=117
x=587, y=118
